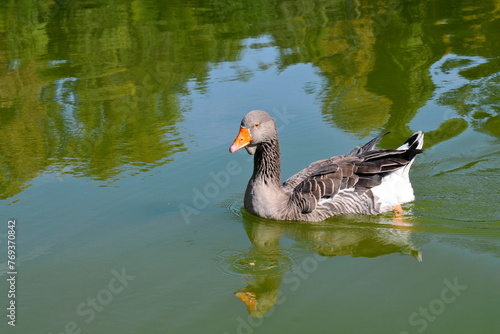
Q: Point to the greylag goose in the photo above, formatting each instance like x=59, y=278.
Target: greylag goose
x=365, y=181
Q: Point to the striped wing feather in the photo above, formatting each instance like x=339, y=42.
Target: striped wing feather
x=358, y=171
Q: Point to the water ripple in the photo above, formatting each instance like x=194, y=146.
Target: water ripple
x=235, y=262
x=234, y=205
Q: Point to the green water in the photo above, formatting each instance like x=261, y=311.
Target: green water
x=116, y=119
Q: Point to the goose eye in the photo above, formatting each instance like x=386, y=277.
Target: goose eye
x=257, y=125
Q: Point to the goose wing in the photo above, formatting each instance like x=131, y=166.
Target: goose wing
x=322, y=165
x=358, y=171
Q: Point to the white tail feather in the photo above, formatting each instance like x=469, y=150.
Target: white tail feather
x=396, y=187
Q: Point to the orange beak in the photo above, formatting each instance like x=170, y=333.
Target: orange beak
x=242, y=140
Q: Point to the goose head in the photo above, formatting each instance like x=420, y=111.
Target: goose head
x=256, y=128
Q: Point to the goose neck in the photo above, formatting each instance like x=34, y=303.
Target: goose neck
x=267, y=163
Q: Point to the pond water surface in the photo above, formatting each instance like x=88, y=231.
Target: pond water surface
x=116, y=119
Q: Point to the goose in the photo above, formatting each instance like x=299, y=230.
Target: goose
x=365, y=181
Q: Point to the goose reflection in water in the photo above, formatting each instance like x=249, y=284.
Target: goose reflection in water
x=267, y=263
